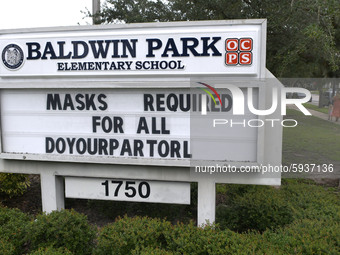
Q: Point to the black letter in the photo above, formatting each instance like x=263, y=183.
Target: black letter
x=142, y=125
x=101, y=51
x=95, y=123
x=54, y=101
x=89, y=102
x=151, y=48
x=61, y=51
x=171, y=46
x=31, y=50
x=148, y=103
x=127, y=45
x=211, y=46
x=49, y=144
x=75, y=49
x=81, y=103
x=49, y=50
x=101, y=98
x=68, y=102
x=190, y=47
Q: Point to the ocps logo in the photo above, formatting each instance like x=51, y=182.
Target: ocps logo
x=239, y=51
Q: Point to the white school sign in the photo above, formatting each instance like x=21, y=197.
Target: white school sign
x=167, y=49
x=118, y=111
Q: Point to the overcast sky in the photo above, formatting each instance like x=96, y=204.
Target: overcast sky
x=43, y=13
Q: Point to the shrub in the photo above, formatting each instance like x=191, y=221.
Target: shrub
x=153, y=236
x=306, y=237
x=232, y=190
x=151, y=251
x=189, y=239
x=13, y=230
x=51, y=251
x=258, y=209
x=65, y=228
x=14, y=184
x=311, y=201
x=6, y=248
x=126, y=234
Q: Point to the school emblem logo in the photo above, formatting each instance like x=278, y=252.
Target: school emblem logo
x=12, y=56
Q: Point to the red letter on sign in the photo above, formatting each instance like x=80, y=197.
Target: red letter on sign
x=231, y=44
x=231, y=58
x=246, y=44
x=245, y=58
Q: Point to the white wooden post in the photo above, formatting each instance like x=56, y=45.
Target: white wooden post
x=52, y=192
x=206, y=202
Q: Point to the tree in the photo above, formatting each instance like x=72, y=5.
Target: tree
x=303, y=35
x=134, y=11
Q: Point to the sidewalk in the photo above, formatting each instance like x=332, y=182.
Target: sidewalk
x=317, y=114
x=323, y=116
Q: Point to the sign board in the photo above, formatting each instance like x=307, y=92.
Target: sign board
x=94, y=124
x=106, y=126
x=137, y=104
x=159, y=49
x=128, y=190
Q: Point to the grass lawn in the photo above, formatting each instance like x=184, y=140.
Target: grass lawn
x=313, y=140
x=316, y=108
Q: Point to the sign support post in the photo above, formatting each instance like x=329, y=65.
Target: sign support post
x=52, y=191
x=206, y=202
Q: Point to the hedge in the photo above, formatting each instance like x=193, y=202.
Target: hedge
x=309, y=223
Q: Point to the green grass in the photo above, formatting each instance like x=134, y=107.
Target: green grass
x=313, y=140
x=316, y=108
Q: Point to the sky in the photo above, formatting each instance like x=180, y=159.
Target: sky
x=43, y=13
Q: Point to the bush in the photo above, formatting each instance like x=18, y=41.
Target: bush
x=315, y=229
x=311, y=201
x=51, y=251
x=14, y=184
x=13, y=230
x=114, y=209
x=153, y=236
x=189, y=239
x=305, y=237
x=258, y=209
x=65, y=228
x=6, y=248
x=126, y=234
x=151, y=251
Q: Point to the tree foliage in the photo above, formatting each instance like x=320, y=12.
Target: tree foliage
x=303, y=36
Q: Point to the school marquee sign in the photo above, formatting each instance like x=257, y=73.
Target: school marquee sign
x=118, y=110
